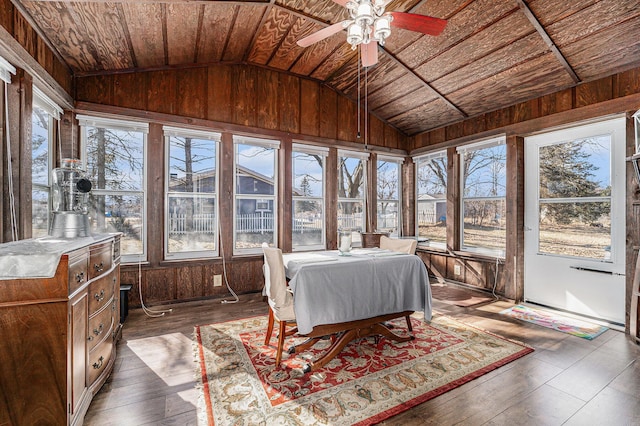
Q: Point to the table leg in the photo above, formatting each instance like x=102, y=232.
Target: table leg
x=351, y=334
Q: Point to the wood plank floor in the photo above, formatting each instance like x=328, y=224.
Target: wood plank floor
x=567, y=380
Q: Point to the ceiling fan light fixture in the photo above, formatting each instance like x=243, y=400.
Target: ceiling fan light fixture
x=355, y=34
x=382, y=28
x=364, y=13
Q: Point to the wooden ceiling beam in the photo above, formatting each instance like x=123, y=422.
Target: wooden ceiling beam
x=545, y=37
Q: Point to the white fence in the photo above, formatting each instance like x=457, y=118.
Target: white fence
x=202, y=223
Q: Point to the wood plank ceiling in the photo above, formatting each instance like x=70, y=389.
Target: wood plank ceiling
x=492, y=53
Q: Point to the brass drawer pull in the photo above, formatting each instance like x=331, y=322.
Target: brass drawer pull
x=98, y=268
x=99, y=297
x=98, y=365
x=98, y=331
x=80, y=277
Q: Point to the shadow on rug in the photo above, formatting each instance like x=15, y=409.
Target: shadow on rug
x=365, y=384
x=458, y=296
x=568, y=325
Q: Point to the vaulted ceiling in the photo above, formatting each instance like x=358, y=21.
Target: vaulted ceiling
x=491, y=54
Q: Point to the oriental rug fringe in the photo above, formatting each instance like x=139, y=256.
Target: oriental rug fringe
x=369, y=381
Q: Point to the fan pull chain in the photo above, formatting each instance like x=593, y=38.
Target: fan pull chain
x=359, y=61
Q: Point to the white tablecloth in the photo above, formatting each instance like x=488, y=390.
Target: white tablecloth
x=328, y=288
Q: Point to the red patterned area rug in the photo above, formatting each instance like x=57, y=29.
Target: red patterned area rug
x=366, y=383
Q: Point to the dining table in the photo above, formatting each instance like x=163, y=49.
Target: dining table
x=354, y=295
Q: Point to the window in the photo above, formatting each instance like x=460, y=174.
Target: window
x=308, y=197
x=483, y=168
x=6, y=70
x=389, y=190
x=191, y=193
x=255, y=186
x=115, y=154
x=44, y=117
x=431, y=197
x=352, y=192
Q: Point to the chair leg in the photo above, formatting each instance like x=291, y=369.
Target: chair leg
x=267, y=338
x=281, y=336
x=408, y=322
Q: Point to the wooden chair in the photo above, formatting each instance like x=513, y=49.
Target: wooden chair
x=279, y=297
x=407, y=246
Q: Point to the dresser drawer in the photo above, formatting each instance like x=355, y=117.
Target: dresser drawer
x=101, y=291
x=78, y=274
x=100, y=259
x=100, y=326
x=98, y=360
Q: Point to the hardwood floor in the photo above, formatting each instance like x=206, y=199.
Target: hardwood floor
x=567, y=380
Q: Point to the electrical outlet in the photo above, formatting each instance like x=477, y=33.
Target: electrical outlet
x=217, y=280
x=457, y=270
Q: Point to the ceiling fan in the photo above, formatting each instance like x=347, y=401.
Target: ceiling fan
x=369, y=26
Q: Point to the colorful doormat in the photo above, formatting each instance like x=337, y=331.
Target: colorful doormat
x=366, y=383
x=458, y=296
x=557, y=322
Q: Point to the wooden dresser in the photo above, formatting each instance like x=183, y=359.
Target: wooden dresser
x=57, y=334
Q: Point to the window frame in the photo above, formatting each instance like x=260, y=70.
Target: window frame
x=324, y=152
x=168, y=133
x=364, y=157
x=461, y=151
x=419, y=160
x=259, y=142
x=123, y=124
x=53, y=111
x=399, y=161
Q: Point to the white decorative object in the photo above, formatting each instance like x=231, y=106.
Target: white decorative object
x=344, y=242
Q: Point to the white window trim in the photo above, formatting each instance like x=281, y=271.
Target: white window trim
x=419, y=160
x=106, y=123
x=324, y=152
x=422, y=158
x=484, y=144
x=45, y=102
x=170, y=132
x=398, y=161
x=113, y=123
x=265, y=143
x=354, y=154
x=6, y=70
x=391, y=159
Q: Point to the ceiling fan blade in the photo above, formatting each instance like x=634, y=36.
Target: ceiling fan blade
x=369, y=53
x=341, y=2
x=419, y=23
x=320, y=35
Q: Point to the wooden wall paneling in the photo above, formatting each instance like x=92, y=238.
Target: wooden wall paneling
x=475, y=274
x=331, y=199
x=376, y=131
x=69, y=136
x=159, y=285
x=226, y=202
x=408, y=173
x=43, y=55
x=594, y=92
x=99, y=89
x=556, y=102
x=129, y=275
x=289, y=103
x=189, y=282
x=390, y=138
x=209, y=270
x=6, y=15
x=155, y=191
x=527, y=110
x=24, y=34
x=267, y=96
x=628, y=82
x=130, y=90
x=438, y=266
x=220, y=97
x=347, y=122
x=309, y=107
x=514, y=250
x=161, y=91
x=4, y=198
x=453, y=199
x=285, y=191
x=191, y=88
x=328, y=113
x=244, y=86
x=455, y=130
x=246, y=274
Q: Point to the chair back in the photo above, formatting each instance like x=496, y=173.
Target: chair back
x=275, y=280
x=407, y=246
